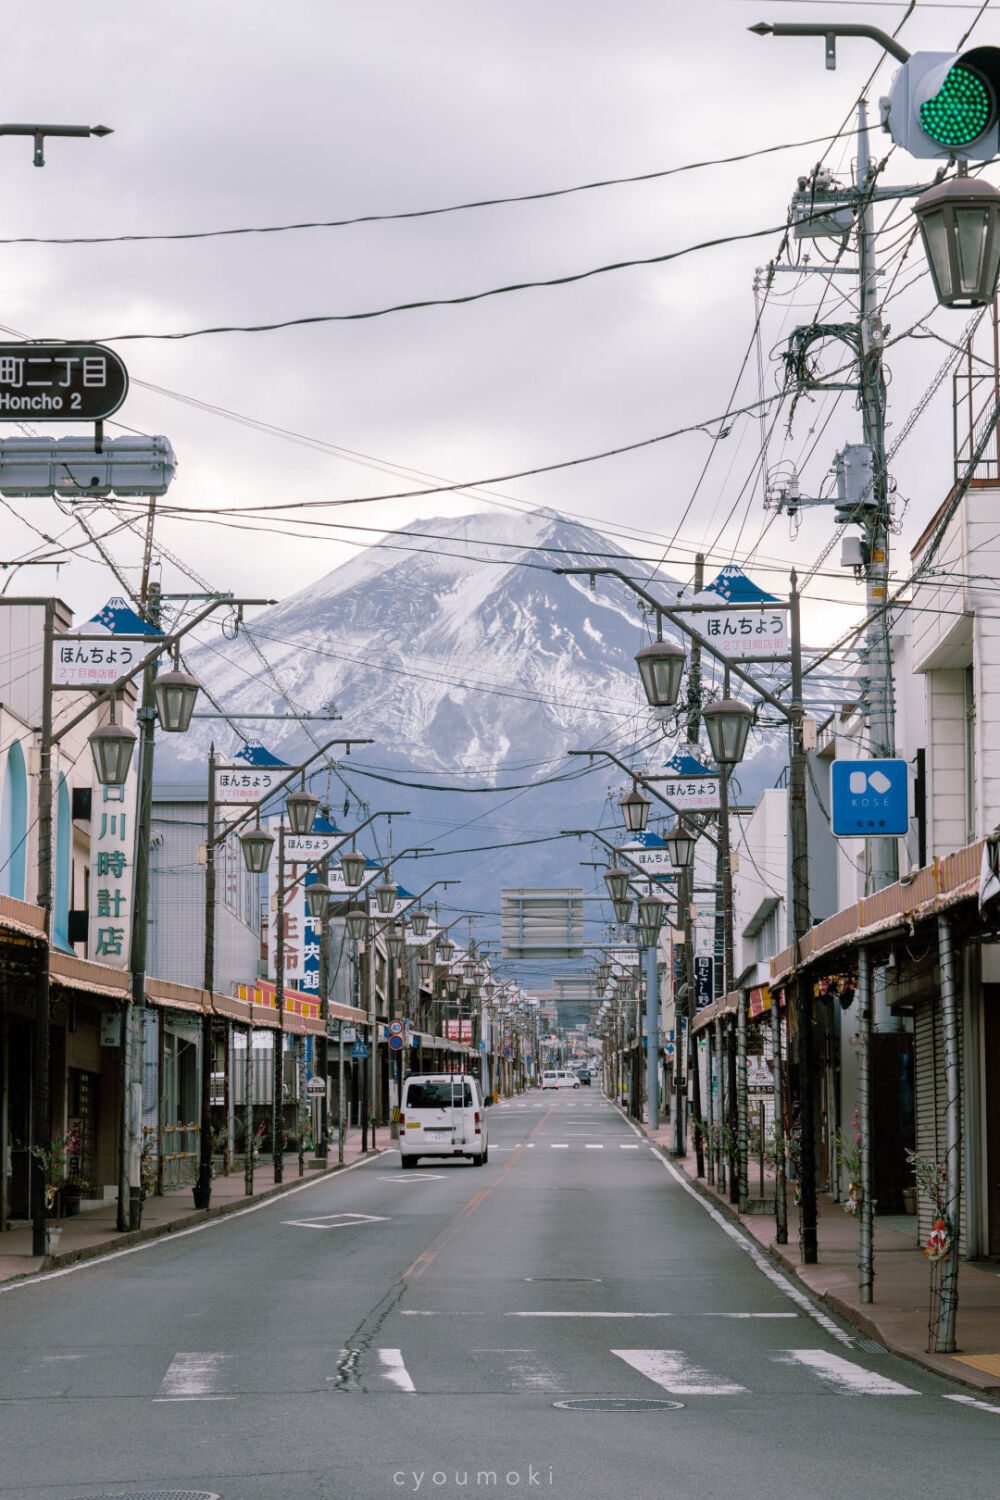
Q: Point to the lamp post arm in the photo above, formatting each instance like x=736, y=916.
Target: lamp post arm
x=643, y=781
x=831, y=30
x=670, y=614
x=164, y=643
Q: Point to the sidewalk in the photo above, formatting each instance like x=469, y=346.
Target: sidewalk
x=898, y=1316
x=87, y=1235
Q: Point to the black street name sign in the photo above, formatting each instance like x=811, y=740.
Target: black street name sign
x=69, y=382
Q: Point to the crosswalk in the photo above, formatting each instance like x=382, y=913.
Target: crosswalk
x=671, y=1370
x=479, y=1365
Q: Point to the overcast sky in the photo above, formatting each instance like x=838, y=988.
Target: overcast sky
x=244, y=114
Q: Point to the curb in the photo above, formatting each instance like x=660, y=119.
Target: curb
x=171, y=1226
x=852, y=1316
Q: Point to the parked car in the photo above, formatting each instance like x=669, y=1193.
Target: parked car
x=442, y=1114
x=584, y=1076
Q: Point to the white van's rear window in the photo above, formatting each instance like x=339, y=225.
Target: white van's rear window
x=438, y=1095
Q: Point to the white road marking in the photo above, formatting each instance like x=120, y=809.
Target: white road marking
x=418, y=1176
x=843, y=1373
x=337, y=1221
x=591, y=1146
x=671, y=1369
x=546, y=1314
x=979, y=1405
x=179, y=1234
x=628, y=1146
x=559, y=1146
x=193, y=1377
x=393, y=1369
x=749, y=1248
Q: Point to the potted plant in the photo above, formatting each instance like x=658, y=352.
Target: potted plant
x=54, y=1162
x=848, y=1146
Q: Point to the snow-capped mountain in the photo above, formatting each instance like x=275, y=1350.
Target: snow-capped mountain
x=473, y=667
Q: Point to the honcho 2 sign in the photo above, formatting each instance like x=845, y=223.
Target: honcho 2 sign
x=69, y=382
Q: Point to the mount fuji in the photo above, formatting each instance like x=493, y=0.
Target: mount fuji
x=474, y=668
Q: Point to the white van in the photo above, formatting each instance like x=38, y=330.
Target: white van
x=442, y=1114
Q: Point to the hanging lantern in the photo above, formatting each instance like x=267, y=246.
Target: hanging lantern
x=680, y=842
x=446, y=949
x=318, y=902
x=301, y=808
x=356, y=922
x=385, y=895
x=395, y=943
x=617, y=883
x=661, y=666
x=727, y=722
x=623, y=911
x=635, y=810
x=256, y=844
x=111, y=746
x=650, y=918
x=176, y=694
x=352, y=868
x=960, y=227
x=418, y=922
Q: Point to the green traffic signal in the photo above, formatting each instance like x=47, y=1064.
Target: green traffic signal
x=961, y=110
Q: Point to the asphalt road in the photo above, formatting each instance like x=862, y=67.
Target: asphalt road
x=381, y=1334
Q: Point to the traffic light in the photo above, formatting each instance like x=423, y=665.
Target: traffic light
x=946, y=104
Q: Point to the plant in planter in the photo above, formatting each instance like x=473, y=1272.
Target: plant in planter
x=932, y=1183
x=848, y=1144
x=54, y=1161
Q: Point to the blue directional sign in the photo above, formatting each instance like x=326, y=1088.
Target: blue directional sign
x=359, y=1049
x=869, y=798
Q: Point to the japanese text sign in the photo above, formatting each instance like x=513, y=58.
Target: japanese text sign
x=68, y=382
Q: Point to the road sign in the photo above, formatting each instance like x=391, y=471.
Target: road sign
x=869, y=798
x=68, y=382
x=245, y=785
x=396, y=1042
x=359, y=1049
x=395, y=1028
x=316, y=1086
x=311, y=846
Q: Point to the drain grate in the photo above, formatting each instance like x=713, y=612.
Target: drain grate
x=869, y=1346
x=156, y=1495
x=614, y=1403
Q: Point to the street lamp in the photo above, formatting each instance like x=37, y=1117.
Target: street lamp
x=385, y=895
x=395, y=942
x=650, y=918
x=256, y=844
x=623, y=911
x=301, y=808
x=617, y=881
x=661, y=666
x=635, y=810
x=355, y=921
x=352, y=867
x=318, y=902
x=680, y=842
x=418, y=921
x=727, y=723
x=960, y=227
x=111, y=746
x=176, y=694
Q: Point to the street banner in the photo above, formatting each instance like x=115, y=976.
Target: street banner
x=96, y=654
x=754, y=625
x=704, y=980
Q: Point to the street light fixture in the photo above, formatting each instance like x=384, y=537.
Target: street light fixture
x=111, y=746
x=635, y=810
x=301, y=808
x=385, y=895
x=418, y=921
x=727, y=722
x=960, y=227
x=446, y=949
x=257, y=844
x=650, y=918
x=356, y=921
x=661, y=666
x=176, y=694
x=395, y=942
x=617, y=881
x=680, y=842
x=623, y=911
x=352, y=867
x=318, y=901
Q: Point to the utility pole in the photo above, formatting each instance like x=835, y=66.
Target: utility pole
x=882, y=853
x=278, y=1059
x=41, y=1060
x=685, y=884
x=204, y=1190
